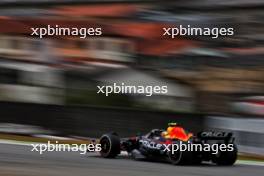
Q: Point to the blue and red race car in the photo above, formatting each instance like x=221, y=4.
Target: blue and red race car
x=174, y=145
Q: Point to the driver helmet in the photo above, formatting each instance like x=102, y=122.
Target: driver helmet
x=171, y=126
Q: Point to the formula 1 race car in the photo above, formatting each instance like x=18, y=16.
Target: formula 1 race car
x=181, y=149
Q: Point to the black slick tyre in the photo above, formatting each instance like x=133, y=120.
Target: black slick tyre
x=110, y=145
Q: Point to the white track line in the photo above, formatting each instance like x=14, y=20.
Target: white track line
x=249, y=162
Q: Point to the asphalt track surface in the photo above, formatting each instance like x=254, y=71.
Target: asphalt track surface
x=18, y=160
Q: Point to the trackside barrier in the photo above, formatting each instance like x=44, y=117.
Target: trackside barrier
x=93, y=121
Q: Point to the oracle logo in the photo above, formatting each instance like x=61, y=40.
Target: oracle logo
x=213, y=134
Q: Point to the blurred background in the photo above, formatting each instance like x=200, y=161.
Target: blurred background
x=48, y=86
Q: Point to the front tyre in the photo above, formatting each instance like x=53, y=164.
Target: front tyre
x=110, y=144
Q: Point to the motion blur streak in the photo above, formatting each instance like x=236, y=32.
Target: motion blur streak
x=48, y=86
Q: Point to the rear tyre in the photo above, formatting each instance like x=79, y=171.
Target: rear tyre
x=181, y=157
x=226, y=158
x=110, y=144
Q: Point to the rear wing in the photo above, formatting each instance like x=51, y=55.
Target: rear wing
x=214, y=135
